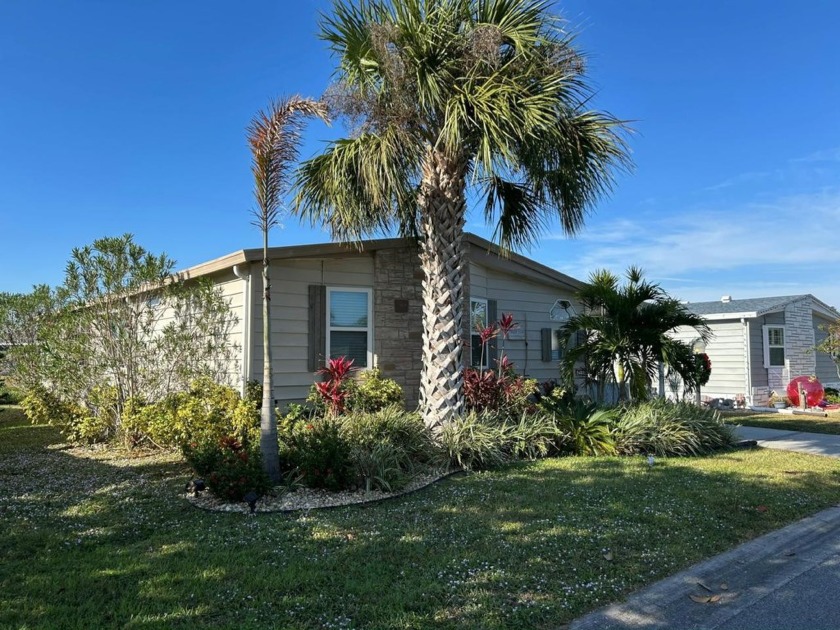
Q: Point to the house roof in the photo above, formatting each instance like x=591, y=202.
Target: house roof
x=755, y=307
x=479, y=250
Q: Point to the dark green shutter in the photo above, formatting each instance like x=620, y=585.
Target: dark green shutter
x=317, y=322
x=545, y=344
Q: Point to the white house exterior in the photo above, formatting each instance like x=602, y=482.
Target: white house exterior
x=760, y=344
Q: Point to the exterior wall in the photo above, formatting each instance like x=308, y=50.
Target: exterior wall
x=398, y=318
x=233, y=291
x=826, y=370
x=759, y=376
x=530, y=303
x=726, y=351
x=799, y=339
x=290, y=280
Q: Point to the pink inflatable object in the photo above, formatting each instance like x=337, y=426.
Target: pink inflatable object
x=814, y=392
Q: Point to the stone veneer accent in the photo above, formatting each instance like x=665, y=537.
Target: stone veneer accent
x=398, y=336
x=800, y=339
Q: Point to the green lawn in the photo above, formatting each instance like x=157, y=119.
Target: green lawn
x=92, y=539
x=786, y=422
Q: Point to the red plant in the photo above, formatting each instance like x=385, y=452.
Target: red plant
x=337, y=369
x=332, y=394
x=487, y=333
x=505, y=366
x=506, y=324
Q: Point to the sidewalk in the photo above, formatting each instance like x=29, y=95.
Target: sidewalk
x=785, y=579
x=813, y=443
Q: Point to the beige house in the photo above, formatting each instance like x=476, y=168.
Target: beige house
x=331, y=300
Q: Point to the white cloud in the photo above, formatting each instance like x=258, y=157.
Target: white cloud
x=778, y=247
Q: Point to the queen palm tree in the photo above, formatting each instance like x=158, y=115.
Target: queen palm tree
x=274, y=139
x=446, y=95
x=624, y=333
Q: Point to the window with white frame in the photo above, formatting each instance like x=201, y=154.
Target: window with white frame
x=774, y=346
x=349, y=325
x=478, y=321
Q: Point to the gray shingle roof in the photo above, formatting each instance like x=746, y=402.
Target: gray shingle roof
x=748, y=305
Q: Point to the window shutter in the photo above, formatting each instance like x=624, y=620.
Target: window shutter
x=545, y=344
x=493, y=344
x=317, y=322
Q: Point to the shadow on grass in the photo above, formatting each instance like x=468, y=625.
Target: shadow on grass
x=92, y=541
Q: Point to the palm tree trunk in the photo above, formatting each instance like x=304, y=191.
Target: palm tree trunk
x=269, y=447
x=442, y=208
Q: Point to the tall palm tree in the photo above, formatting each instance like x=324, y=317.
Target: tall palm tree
x=274, y=139
x=444, y=95
x=625, y=333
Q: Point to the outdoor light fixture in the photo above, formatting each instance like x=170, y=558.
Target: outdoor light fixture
x=561, y=308
x=251, y=499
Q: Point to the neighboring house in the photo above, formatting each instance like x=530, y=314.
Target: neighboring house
x=760, y=344
x=331, y=300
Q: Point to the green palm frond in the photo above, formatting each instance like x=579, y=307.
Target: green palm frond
x=361, y=185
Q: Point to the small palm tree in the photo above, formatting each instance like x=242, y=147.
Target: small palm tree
x=274, y=139
x=624, y=333
x=444, y=95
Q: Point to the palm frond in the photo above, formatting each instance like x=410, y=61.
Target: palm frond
x=274, y=139
x=361, y=185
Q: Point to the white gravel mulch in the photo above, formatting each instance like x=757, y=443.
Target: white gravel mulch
x=312, y=499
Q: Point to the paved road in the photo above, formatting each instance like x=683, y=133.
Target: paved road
x=788, y=579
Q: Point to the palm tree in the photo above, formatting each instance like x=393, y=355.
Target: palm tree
x=444, y=95
x=624, y=333
x=274, y=139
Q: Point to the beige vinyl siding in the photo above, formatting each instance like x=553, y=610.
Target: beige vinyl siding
x=826, y=370
x=290, y=280
x=530, y=303
x=726, y=351
x=232, y=289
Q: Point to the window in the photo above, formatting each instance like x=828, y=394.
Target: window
x=478, y=321
x=556, y=350
x=349, y=319
x=774, y=346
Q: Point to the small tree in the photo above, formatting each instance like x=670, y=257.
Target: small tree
x=120, y=320
x=274, y=138
x=624, y=334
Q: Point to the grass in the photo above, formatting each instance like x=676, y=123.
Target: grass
x=92, y=538
x=786, y=422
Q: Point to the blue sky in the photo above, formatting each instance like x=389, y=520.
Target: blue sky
x=129, y=117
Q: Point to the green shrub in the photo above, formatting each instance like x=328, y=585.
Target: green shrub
x=76, y=423
x=229, y=468
x=319, y=452
x=534, y=436
x=371, y=392
x=9, y=395
x=254, y=392
x=660, y=427
x=207, y=412
x=587, y=428
x=385, y=446
x=475, y=441
x=341, y=392
x=832, y=396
